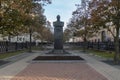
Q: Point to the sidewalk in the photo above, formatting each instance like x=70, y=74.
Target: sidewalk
x=111, y=73
x=89, y=70
x=13, y=69
x=59, y=71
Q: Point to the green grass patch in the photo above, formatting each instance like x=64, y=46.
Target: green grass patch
x=9, y=54
x=37, y=48
x=105, y=54
x=75, y=48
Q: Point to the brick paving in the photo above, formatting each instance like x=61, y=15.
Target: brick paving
x=59, y=71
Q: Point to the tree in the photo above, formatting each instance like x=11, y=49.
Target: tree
x=81, y=24
x=66, y=35
x=104, y=12
x=15, y=15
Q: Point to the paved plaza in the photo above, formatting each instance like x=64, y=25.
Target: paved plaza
x=59, y=71
x=90, y=69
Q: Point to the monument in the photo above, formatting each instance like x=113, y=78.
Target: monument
x=58, y=35
x=58, y=53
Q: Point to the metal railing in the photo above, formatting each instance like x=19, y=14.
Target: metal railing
x=95, y=45
x=6, y=46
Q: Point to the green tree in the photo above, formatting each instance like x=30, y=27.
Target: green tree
x=13, y=13
x=17, y=16
x=105, y=12
x=81, y=24
x=66, y=34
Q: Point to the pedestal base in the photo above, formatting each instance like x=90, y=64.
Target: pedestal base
x=58, y=55
x=54, y=51
x=58, y=51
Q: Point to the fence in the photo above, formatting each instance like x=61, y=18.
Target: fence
x=95, y=45
x=14, y=46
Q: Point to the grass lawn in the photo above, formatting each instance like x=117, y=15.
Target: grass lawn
x=9, y=54
x=37, y=48
x=105, y=54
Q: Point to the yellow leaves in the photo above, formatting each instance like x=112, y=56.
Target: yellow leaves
x=16, y=15
x=12, y=14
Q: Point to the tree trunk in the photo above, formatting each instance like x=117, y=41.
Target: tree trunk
x=30, y=44
x=117, y=21
x=84, y=44
x=9, y=37
x=116, y=56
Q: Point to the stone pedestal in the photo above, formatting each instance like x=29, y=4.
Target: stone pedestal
x=58, y=34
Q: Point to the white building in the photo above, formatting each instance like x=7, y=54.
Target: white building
x=20, y=38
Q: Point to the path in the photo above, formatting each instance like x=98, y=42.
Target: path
x=89, y=70
x=108, y=71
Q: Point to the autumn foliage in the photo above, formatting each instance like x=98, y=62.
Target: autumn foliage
x=17, y=16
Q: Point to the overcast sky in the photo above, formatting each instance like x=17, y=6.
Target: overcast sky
x=62, y=7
